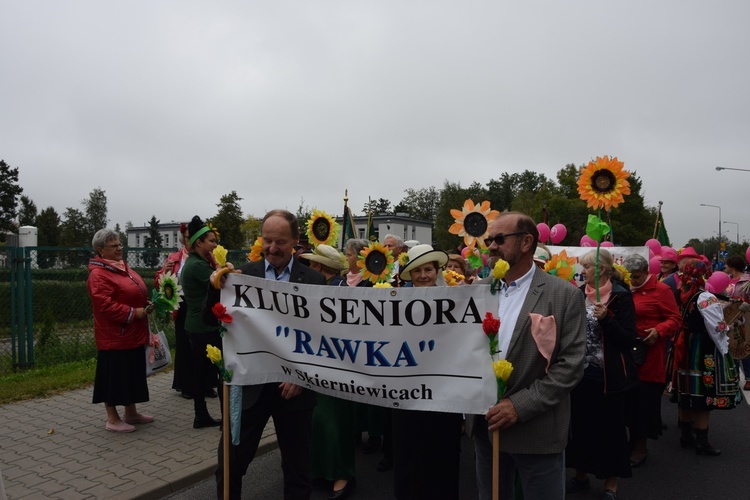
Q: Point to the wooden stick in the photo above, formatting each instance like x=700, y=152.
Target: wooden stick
x=495, y=464
x=225, y=437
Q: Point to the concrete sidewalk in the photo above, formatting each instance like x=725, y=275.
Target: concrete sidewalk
x=58, y=448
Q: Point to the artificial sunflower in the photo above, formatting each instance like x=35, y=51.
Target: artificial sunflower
x=256, y=251
x=382, y=284
x=376, y=262
x=473, y=222
x=167, y=297
x=322, y=229
x=603, y=182
x=561, y=265
x=403, y=259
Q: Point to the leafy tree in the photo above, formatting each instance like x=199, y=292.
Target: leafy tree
x=152, y=243
x=122, y=235
x=96, y=212
x=9, y=193
x=228, y=221
x=48, y=235
x=380, y=206
x=420, y=204
x=303, y=215
x=73, y=234
x=251, y=229
x=27, y=213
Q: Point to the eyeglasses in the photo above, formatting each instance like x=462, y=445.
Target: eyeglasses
x=116, y=245
x=499, y=239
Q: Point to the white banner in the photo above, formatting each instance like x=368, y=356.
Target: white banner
x=619, y=254
x=410, y=348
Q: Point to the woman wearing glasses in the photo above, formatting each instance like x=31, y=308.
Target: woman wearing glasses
x=598, y=444
x=120, y=305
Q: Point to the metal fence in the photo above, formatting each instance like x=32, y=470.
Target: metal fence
x=45, y=309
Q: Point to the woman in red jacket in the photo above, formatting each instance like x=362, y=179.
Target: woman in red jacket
x=120, y=304
x=657, y=318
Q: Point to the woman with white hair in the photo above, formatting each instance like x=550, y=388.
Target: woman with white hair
x=598, y=444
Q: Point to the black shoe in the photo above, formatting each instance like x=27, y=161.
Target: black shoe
x=205, y=421
x=702, y=446
x=385, y=464
x=372, y=445
x=609, y=495
x=187, y=395
x=572, y=485
x=345, y=491
x=211, y=393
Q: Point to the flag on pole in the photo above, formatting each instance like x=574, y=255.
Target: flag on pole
x=371, y=233
x=662, y=235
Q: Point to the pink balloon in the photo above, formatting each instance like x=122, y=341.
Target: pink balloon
x=543, y=231
x=654, y=265
x=587, y=242
x=654, y=245
x=465, y=252
x=717, y=282
x=557, y=233
x=607, y=244
x=651, y=254
x=747, y=254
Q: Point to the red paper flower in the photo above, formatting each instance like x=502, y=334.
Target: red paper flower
x=221, y=313
x=490, y=325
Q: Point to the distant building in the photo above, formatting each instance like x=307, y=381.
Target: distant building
x=169, y=231
x=401, y=225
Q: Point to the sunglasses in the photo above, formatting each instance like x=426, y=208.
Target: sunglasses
x=499, y=239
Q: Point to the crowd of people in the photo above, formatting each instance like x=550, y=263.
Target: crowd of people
x=591, y=364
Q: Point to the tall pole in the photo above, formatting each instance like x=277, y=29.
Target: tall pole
x=715, y=206
x=738, y=229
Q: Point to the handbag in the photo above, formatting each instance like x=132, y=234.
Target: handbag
x=158, y=356
x=639, y=351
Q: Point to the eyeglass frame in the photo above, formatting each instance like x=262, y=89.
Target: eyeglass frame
x=502, y=236
x=115, y=246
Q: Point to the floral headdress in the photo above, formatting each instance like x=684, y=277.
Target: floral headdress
x=322, y=229
x=473, y=222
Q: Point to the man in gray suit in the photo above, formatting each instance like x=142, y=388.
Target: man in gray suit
x=290, y=405
x=543, y=334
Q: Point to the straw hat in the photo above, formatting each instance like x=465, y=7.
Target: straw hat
x=419, y=255
x=326, y=255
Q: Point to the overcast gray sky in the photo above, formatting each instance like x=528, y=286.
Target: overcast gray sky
x=168, y=105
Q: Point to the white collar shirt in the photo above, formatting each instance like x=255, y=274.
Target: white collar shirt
x=511, y=298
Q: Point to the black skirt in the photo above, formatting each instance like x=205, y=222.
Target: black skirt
x=644, y=410
x=121, y=377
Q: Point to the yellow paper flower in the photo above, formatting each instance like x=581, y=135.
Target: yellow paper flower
x=403, y=259
x=256, y=251
x=375, y=262
x=213, y=353
x=452, y=278
x=625, y=273
x=501, y=267
x=382, y=284
x=503, y=368
x=561, y=265
x=473, y=222
x=322, y=229
x=213, y=229
x=603, y=183
x=220, y=255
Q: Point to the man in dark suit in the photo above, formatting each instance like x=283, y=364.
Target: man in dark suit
x=543, y=334
x=290, y=405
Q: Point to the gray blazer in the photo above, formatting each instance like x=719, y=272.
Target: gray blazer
x=542, y=398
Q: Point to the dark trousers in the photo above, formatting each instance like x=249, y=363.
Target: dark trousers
x=293, y=432
x=183, y=357
x=205, y=373
x=426, y=451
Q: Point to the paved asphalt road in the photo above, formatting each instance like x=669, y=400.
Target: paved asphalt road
x=670, y=473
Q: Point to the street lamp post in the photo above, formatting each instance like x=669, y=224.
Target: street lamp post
x=729, y=168
x=715, y=206
x=738, y=229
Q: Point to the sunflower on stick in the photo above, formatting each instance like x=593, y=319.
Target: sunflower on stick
x=322, y=229
x=602, y=184
x=376, y=263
